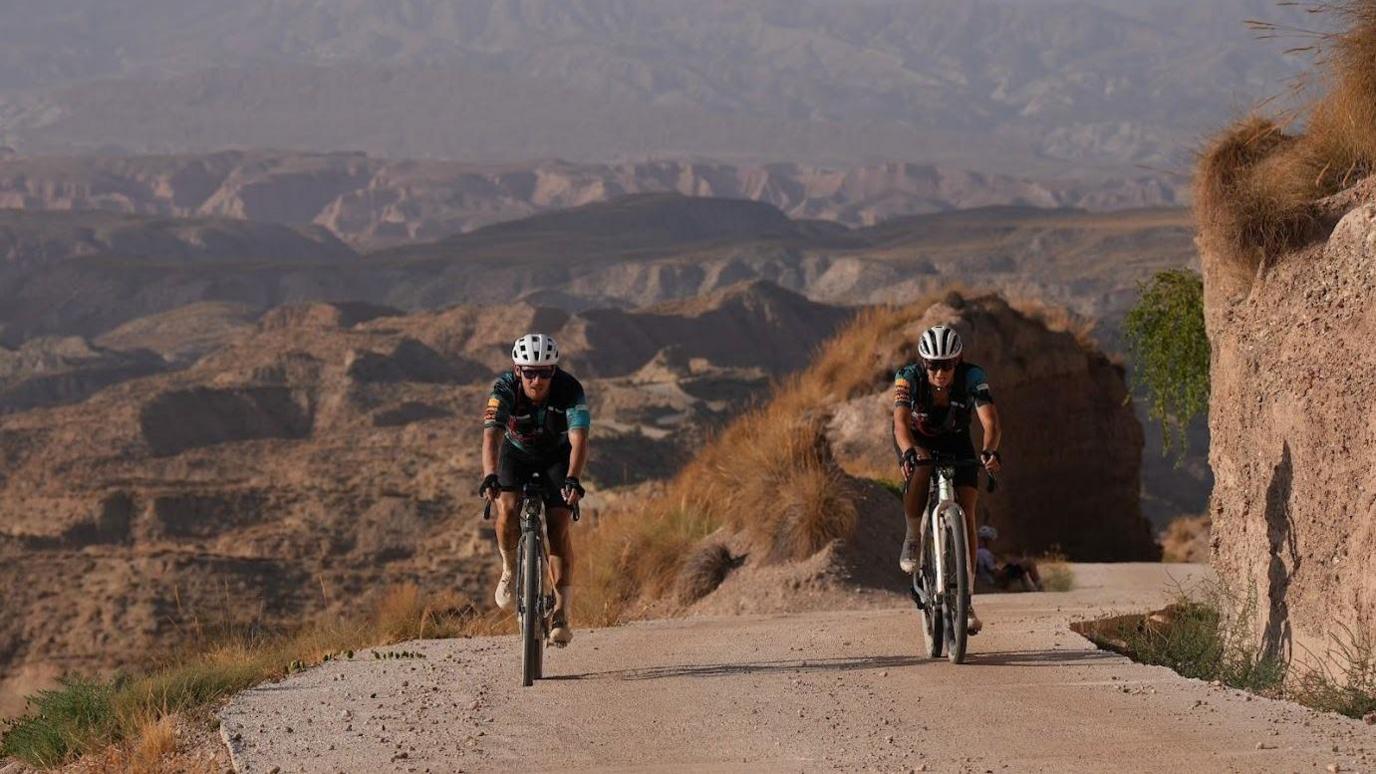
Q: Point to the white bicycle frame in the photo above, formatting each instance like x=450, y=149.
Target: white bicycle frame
x=945, y=499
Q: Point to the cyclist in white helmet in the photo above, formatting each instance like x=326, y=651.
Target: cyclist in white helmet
x=933, y=401
x=536, y=420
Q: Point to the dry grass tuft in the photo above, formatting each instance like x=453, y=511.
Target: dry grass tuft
x=1056, y=572
x=157, y=739
x=704, y=571
x=1257, y=187
x=1186, y=539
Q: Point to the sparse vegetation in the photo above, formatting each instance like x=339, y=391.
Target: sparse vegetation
x=1170, y=352
x=138, y=713
x=1257, y=186
x=704, y=571
x=1056, y=573
x=1186, y=539
x=1209, y=634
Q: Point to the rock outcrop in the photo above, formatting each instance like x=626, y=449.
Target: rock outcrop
x=1072, y=446
x=1293, y=376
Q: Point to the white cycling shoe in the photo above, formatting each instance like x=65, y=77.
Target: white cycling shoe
x=972, y=622
x=907, y=558
x=506, y=590
x=560, y=633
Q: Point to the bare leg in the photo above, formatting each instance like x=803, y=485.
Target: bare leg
x=560, y=553
x=915, y=496
x=508, y=529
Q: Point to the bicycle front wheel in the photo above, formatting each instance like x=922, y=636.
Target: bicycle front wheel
x=957, y=596
x=933, y=629
x=532, y=634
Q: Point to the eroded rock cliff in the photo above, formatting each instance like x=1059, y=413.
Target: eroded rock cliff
x=1293, y=439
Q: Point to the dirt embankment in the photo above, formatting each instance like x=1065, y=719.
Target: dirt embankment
x=1293, y=377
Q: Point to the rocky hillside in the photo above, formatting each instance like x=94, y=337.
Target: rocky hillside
x=1293, y=516
x=87, y=272
x=629, y=252
x=1071, y=441
x=372, y=203
x=325, y=452
x=813, y=526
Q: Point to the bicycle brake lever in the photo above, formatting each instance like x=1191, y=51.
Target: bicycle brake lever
x=576, y=512
x=487, y=510
x=993, y=484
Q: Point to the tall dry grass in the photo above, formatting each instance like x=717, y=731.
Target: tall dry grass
x=1257, y=186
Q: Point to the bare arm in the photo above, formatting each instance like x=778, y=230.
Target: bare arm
x=993, y=432
x=578, y=439
x=492, y=440
x=902, y=431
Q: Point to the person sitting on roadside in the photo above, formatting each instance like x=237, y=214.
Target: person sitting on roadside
x=995, y=572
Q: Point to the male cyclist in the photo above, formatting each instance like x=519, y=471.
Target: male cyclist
x=933, y=401
x=536, y=421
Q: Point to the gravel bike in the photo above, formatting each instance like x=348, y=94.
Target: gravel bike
x=534, y=587
x=941, y=581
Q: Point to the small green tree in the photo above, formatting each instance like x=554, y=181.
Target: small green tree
x=1170, y=352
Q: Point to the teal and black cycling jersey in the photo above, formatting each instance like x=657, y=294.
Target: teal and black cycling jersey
x=537, y=429
x=969, y=390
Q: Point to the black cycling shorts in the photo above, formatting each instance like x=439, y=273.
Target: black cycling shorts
x=957, y=444
x=514, y=469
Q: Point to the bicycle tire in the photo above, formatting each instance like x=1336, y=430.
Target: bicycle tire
x=932, y=630
x=531, y=636
x=957, y=603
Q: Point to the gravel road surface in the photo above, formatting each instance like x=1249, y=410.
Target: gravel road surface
x=830, y=690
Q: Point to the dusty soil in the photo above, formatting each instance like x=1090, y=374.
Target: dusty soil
x=830, y=690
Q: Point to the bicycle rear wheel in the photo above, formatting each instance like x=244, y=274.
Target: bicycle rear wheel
x=933, y=636
x=957, y=591
x=532, y=634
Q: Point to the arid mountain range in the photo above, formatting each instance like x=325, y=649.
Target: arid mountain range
x=178, y=286
x=87, y=272
x=325, y=451
x=372, y=203
x=1019, y=87
x=328, y=451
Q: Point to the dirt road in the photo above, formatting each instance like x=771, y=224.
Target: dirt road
x=834, y=690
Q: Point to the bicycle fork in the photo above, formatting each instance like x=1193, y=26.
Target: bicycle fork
x=937, y=513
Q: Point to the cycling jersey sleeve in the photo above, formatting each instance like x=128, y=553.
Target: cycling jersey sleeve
x=499, y=404
x=903, y=382
x=978, y=385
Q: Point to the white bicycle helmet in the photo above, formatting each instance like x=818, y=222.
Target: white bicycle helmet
x=987, y=532
x=535, y=349
x=939, y=342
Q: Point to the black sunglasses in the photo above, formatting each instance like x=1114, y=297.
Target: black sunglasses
x=940, y=365
x=536, y=373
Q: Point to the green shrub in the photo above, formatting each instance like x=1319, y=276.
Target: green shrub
x=63, y=722
x=1170, y=352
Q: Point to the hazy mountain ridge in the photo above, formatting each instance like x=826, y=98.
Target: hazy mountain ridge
x=373, y=203
x=998, y=85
